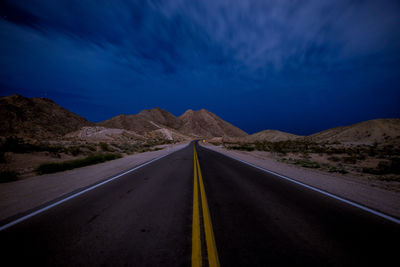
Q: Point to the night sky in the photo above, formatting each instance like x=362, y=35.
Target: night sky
x=295, y=66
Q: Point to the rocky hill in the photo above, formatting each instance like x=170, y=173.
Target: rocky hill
x=367, y=132
x=98, y=133
x=41, y=118
x=202, y=123
x=161, y=116
x=271, y=136
x=197, y=124
x=37, y=118
x=137, y=123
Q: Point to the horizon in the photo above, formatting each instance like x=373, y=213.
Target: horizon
x=295, y=67
x=195, y=110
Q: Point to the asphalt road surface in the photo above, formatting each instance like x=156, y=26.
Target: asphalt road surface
x=198, y=207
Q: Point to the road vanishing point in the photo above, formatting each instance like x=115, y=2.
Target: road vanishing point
x=197, y=207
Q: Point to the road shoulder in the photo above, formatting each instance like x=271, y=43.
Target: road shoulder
x=344, y=186
x=21, y=196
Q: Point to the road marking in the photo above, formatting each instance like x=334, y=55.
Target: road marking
x=23, y=218
x=212, y=253
x=369, y=210
x=210, y=240
x=196, y=242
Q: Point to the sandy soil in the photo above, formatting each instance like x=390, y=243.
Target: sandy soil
x=23, y=195
x=364, y=191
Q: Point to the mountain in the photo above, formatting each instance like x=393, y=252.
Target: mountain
x=38, y=118
x=367, y=132
x=161, y=116
x=202, y=123
x=136, y=123
x=145, y=121
x=41, y=118
x=271, y=136
x=98, y=133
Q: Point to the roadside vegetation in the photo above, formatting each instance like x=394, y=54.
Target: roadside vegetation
x=383, y=160
x=77, y=163
x=21, y=146
x=21, y=158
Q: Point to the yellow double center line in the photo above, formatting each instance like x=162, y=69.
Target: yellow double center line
x=208, y=231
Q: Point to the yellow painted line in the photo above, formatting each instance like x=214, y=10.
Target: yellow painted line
x=213, y=260
x=196, y=242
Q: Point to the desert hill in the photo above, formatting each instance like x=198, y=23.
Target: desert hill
x=161, y=116
x=202, y=123
x=271, y=136
x=367, y=132
x=98, y=133
x=36, y=118
x=380, y=131
x=144, y=122
x=136, y=123
x=41, y=118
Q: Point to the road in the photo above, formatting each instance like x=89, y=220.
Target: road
x=232, y=215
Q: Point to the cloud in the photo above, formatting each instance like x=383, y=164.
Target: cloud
x=245, y=35
x=161, y=49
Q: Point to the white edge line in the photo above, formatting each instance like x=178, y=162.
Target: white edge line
x=23, y=218
x=377, y=213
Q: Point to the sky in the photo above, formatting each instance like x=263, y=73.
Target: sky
x=296, y=66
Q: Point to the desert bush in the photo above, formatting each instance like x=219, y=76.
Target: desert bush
x=349, y=160
x=72, y=164
x=74, y=150
x=91, y=148
x=390, y=178
x=104, y=146
x=338, y=169
x=8, y=176
x=18, y=145
x=334, y=158
x=242, y=147
x=215, y=143
x=308, y=164
x=260, y=146
x=385, y=167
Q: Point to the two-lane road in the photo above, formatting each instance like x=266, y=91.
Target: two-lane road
x=150, y=217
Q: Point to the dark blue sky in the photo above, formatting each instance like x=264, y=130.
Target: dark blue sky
x=296, y=66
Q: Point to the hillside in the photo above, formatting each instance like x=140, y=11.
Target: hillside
x=161, y=116
x=271, y=136
x=98, y=133
x=202, y=123
x=38, y=118
x=41, y=118
x=136, y=123
x=367, y=132
x=145, y=121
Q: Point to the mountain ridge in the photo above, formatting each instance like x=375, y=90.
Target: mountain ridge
x=36, y=118
x=42, y=118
